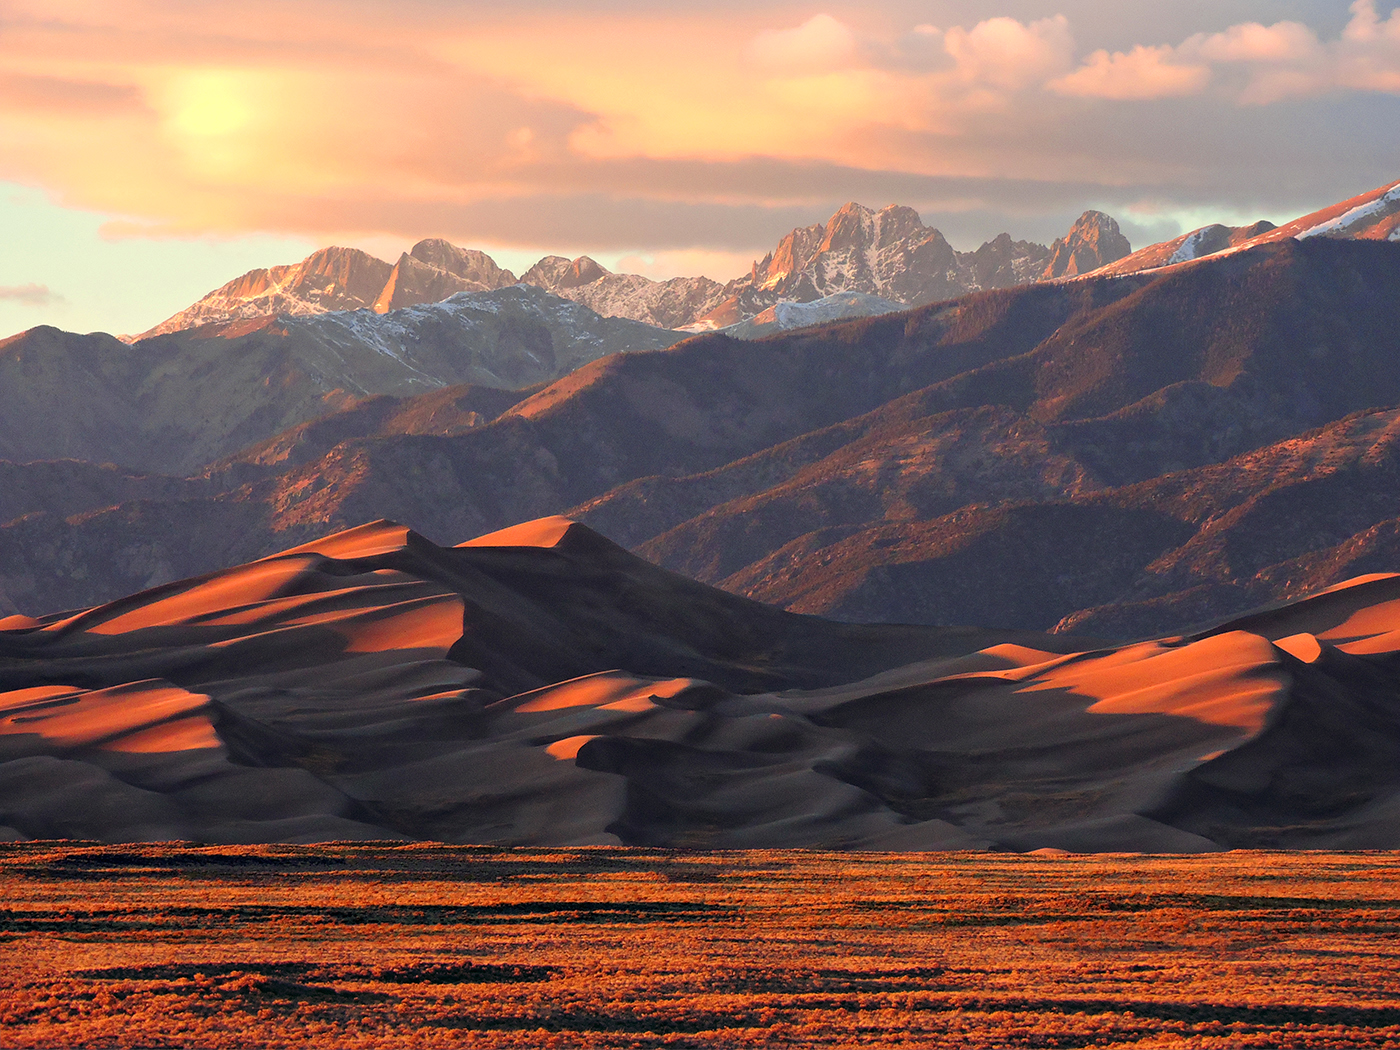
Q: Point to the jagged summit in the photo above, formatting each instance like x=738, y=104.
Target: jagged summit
x=891, y=254
x=326, y=280
x=1093, y=241
x=556, y=273
x=436, y=269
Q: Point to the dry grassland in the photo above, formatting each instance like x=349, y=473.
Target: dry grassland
x=430, y=946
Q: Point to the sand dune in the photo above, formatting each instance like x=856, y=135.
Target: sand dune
x=539, y=685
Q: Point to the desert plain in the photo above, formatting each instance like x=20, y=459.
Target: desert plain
x=420, y=945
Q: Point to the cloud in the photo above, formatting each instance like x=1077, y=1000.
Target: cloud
x=1369, y=51
x=1142, y=73
x=1011, y=55
x=61, y=94
x=1252, y=42
x=1287, y=60
x=821, y=43
x=1254, y=64
x=645, y=127
x=29, y=295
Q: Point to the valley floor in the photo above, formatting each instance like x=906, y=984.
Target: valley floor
x=379, y=945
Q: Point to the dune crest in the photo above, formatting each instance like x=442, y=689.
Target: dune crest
x=542, y=532
x=363, y=541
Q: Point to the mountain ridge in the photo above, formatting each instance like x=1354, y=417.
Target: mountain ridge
x=175, y=403
x=833, y=456
x=908, y=263
x=887, y=253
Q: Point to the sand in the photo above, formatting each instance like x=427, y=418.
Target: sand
x=540, y=686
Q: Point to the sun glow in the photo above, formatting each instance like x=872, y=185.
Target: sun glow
x=210, y=105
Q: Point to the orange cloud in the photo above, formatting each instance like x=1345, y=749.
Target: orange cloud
x=340, y=116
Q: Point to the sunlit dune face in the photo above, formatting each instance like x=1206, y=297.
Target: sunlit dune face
x=1375, y=629
x=18, y=700
x=363, y=619
x=363, y=541
x=599, y=702
x=1227, y=680
x=185, y=734
x=428, y=623
x=216, y=601
x=567, y=750
x=612, y=690
x=542, y=532
x=1360, y=616
x=372, y=611
x=1232, y=680
x=143, y=717
x=1304, y=647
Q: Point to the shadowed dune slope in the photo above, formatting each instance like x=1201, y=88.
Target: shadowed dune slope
x=541, y=685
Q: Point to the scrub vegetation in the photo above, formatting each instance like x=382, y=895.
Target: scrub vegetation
x=380, y=945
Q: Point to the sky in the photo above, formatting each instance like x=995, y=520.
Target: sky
x=151, y=150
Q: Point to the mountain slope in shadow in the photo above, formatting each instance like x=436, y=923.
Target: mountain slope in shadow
x=879, y=469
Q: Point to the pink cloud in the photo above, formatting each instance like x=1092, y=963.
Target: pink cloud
x=1142, y=73
x=821, y=43
x=29, y=295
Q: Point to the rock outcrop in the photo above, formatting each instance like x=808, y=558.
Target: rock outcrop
x=1093, y=241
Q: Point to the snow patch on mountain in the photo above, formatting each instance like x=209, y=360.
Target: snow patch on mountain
x=781, y=317
x=509, y=337
x=1361, y=215
x=1196, y=244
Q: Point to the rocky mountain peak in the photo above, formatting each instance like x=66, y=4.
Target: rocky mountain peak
x=554, y=272
x=584, y=270
x=463, y=262
x=332, y=278
x=436, y=269
x=897, y=222
x=852, y=226
x=890, y=254
x=666, y=304
x=1093, y=241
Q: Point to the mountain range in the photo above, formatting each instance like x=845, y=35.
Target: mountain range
x=1372, y=216
x=1222, y=426
x=1067, y=391
x=888, y=254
